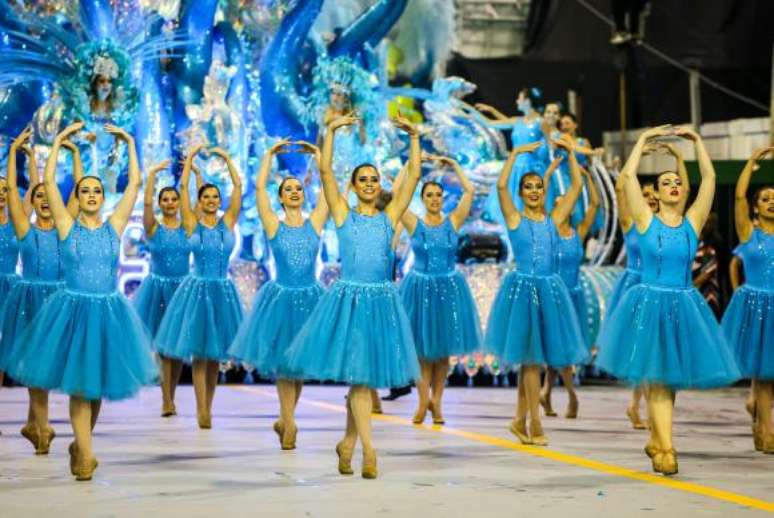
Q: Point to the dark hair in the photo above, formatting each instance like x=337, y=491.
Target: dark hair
x=89, y=177
x=430, y=184
x=659, y=175
x=204, y=188
x=756, y=195
x=571, y=116
x=358, y=168
x=36, y=188
x=524, y=179
x=648, y=182
x=533, y=94
x=283, y=182
x=384, y=199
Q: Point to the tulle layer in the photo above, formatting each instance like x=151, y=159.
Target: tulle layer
x=627, y=279
x=152, y=299
x=748, y=325
x=358, y=334
x=581, y=306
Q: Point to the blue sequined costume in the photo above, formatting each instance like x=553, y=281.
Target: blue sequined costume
x=42, y=275
x=631, y=276
x=359, y=332
x=440, y=307
x=282, y=305
x=87, y=339
x=748, y=323
x=533, y=320
x=663, y=331
x=9, y=256
x=204, y=314
x=170, y=255
x=569, y=256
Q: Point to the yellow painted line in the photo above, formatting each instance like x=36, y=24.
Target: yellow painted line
x=536, y=451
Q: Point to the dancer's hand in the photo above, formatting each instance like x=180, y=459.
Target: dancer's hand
x=69, y=130
x=159, y=167
x=279, y=147
x=687, y=133
x=22, y=140
x=119, y=133
x=759, y=154
x=307, y=148
x=526, y=148
x=665, y=130
x=401, y=122
x=340, y=122
x=565, y=141
x=218, y=151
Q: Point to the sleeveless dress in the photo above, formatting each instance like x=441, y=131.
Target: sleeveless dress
x=42, y=275
x=283, y=305
x=533, y=320
x=437, y=299
x=359, y=332
x=205, y=312
x=663, y=331
x=569, y=256
x=87, y=340
x=170, y=255
x=631, y=276
x=9, y=256
x=748, y=323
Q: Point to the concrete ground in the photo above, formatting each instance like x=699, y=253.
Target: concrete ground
x=594, y=465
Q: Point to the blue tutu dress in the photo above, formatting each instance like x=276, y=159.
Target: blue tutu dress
x=569, y=256
x=204, y=314
x=437, y=299
x=281, y=306
x=9, y=256
x=359, y=332
x=533, y=320
x=631, y=276
x=87, y=339
x=748, y=323
x=42, y=275
x=662, y=331
x=170, y=255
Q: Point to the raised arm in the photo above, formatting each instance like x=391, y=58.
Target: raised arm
x=268, y=217
x=62, y=217
x=20, y=219
x=336, y=202
x=408, y=219
x=510, y=213
x=495, y=123
x=404, y=193
x=320, y=212
x=638, y=207
x=699, y=212
x=461, y=211
x=549, y=172
x=682, y=172
x=564, y=207
x=187, y=214
x=591, y=213
x=742, y=221
x=148, y=217
x=33, y=178
x=497, y=114
x=75, y=153
x=123, y=210
x=199, y=182
x=235, y=201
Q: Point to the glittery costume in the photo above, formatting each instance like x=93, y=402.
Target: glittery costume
x=282, y=305
x=631, y=276
x=9, y=256
x=170, y=261
x=569, y=256
x=359, y=332
x=533, y=320
x=440, y=307
x=205, y=312
x=42, y=275
x=663, y=331
x=748, y=323
x=87, y=339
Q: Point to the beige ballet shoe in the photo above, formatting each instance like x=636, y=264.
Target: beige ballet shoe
x=420, y=414
x=30, y=432
x=205, y=421
x=84, y=470
x=168, y=411
x=369, y=470
x=519, y=429
x=634, y=416
x=547, y=409
x=435, y=410
x=345, y=459
x=572, y=409
x=536, y=433
x=665, y=462
x=44, y=441
x=288, y=441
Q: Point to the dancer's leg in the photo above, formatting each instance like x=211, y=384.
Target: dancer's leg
x=661, y=406
x=545, y=393
x=532, y=394
x=82, y=462
x=286, y=390
x=360, y=400
x=39, y=412
x=440, y=369
x=568, y=381
x=423, y=390
x=199, y=376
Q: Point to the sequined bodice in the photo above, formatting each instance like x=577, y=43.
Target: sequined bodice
x=366, y=248
x=435, y=247
x=632, y=245
x=533, y=246
x=211, y=249
x=9, y=249
x=525, y=133
x=667, y=254
x=90, y=258
x=295, y=254
x=170, y=252
x=758, y=257
x=569, y=256
x=41, y=255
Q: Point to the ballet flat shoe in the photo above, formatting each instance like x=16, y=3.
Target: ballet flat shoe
x=168, y=411
x=369, y=470
x=650, y=449
x=345, y=459
x=44, y=441
x=547, y=409
x=634, y=417
x=72, y=449
x=665, y=462
x=536, y=434
x=288, y=441
x=85, y=469
x=30, y=432
x=419, y=416
x=437, y=416
x=572, y=409
x=205, y=421
x=519, y=429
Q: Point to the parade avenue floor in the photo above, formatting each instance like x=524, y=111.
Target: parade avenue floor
x=471, y=467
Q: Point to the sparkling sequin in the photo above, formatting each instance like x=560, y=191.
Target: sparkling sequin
x=9, y=249
x=295, y=253
x=170, y=252
x=90, y=259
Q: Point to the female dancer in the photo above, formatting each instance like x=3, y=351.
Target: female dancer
x=87, y=340
x=170, y=255
x=443, y=315
x=663, y=334
x=359, y=332
x=282, y=305
x=205, y=312
x=42, y=276
x=533, y=321
x=748, y=322
x=569, y=256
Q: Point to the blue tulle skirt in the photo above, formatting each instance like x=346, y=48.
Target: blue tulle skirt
x=153, y=297
x=7, y=280
x=21, y=305
x=277, y=316
x=627, y=279
x=89, y=345
x=533, y=322
x=666, y=336
x=581, y=306
x=358, y=334
x=443, y=316
x=748, y=325
x=201, y=320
